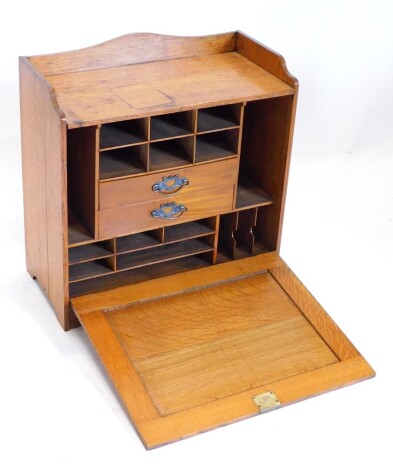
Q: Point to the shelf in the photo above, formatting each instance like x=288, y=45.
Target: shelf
x=138, y=241
x=186, y=231
x=123, y=162
x=171, y=153
x=155, y=271
x=249, y=195
x=171, y=125
x=218, y=118
x=119, y=134
x=77, y=232
x=80, y=254
x=216, y=145
x=89, y=270
x=162, y=253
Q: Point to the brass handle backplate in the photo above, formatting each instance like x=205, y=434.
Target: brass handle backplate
x=170, y=184
x=169, y=211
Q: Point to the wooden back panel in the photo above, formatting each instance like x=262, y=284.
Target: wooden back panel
x=133, y=49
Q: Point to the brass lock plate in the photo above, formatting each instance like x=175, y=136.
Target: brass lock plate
x=266, y=401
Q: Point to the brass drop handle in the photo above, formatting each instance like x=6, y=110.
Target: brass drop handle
x=169, y=211
x=170, y=184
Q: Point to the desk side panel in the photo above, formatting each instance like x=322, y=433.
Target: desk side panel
x=44, y=187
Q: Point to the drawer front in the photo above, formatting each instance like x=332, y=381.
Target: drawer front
x=119, y=193
x=139, y=217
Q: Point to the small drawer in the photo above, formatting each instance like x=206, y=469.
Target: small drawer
x=167, y=184
x=153, y=214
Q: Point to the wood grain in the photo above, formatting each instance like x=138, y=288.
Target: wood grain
x=270, y=347
x=118, y=366
x=183, y=321
x=159, y=288
x=44, y=182
x=278, y=128
x=264, y=158
x=316, y=315
x=265, y=58
x=123, y=192
x=191, y=377
x=114, y=94
x=137, y=217
x=164, y=430
x=133, y=49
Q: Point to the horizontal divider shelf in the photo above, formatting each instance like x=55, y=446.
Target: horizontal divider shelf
x=89, y=269
x=77, y=232
x=133, y=276
x=125, y=161
x=162, y=253
x=250, y=195
x=137, y=241
x=171, y=153
x=171, y=125
x=123, y=133
x=168, y=141
x=83, y=253
x=216, y=145
x=218, y=117
x=187, y=230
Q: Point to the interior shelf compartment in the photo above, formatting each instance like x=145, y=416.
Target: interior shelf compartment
x=171, y=125
x=163, y=253
x=90, y=269
x=133, y=276
x=91, y=251
x=123, y=162
x=81, y=181
x=171, y=153
x=139, y=241
x=77, y=232
x=248, y=194
x=119, y=134
x=241, y=234
x=218, y=117
x=215, y=145
x=187, y=230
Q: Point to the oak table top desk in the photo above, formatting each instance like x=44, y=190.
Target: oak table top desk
x=155, y=171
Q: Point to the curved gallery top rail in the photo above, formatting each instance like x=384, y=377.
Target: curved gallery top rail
x=142, y=74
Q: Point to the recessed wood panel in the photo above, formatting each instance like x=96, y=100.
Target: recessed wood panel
x=198, y=350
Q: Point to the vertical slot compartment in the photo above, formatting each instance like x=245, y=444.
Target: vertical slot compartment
x=244, y=235
x=123, y=133
x=125, y=161
x=218, y=118
x=226, y=237
x=262, y=239
x=81, y=184
x=167, y=126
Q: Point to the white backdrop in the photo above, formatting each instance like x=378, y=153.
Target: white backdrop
x=57, y=408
